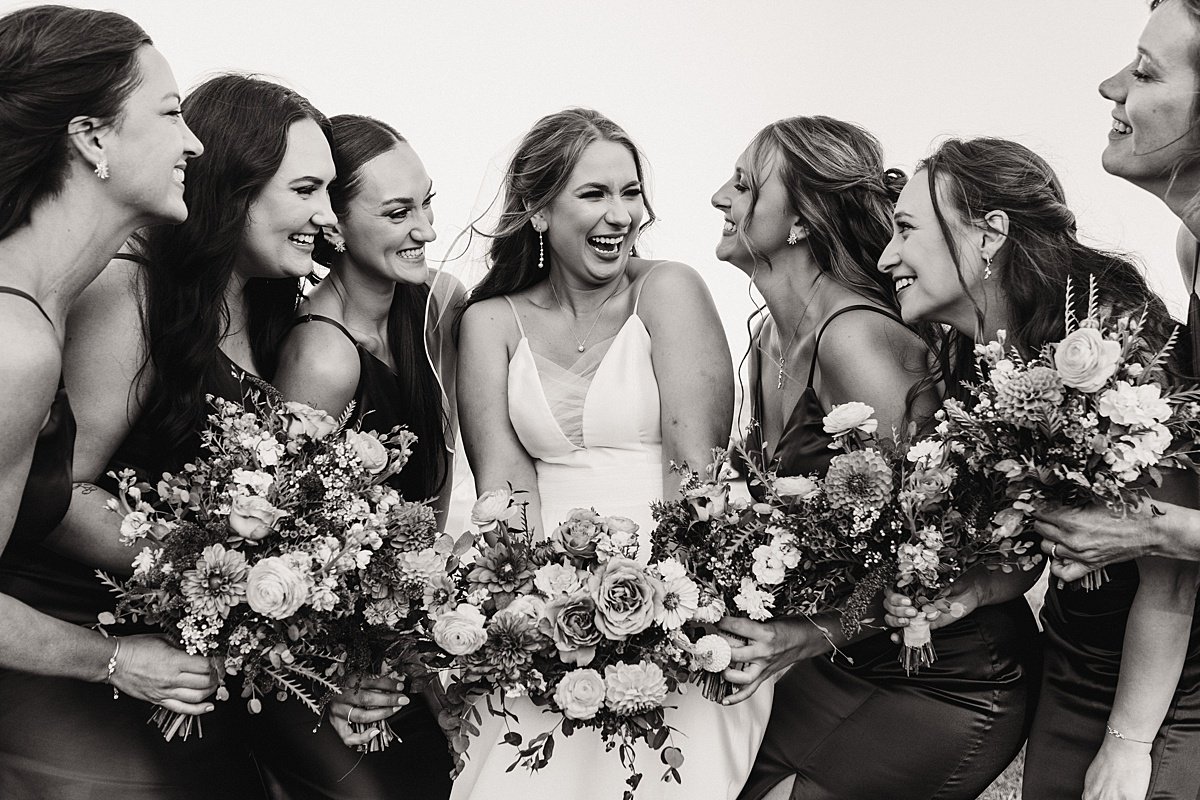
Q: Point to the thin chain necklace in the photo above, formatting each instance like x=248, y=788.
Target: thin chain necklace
x=782, y=359
x=583, y=342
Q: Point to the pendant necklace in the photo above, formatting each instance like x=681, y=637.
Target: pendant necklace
x=782, y=359
x=583, y=342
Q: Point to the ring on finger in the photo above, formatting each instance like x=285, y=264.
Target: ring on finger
x=1054, y=550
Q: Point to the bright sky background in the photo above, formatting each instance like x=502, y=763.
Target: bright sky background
x=692, y=82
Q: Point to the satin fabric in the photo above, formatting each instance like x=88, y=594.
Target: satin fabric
x=855, y=725
x=619, y=471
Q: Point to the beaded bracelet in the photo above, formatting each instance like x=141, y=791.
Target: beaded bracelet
x=112, y=667
x=1111, y=731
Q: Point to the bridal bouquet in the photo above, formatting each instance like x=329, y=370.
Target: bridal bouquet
x=576, y=623
x=283, y=555
x=1089, y=419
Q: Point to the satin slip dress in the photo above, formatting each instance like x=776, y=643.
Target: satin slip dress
x=595, y=432
x=867, y=731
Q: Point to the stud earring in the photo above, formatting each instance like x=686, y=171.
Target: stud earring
x=793, y=237
x=102, y=169
x=541, y=252
x=335, y=239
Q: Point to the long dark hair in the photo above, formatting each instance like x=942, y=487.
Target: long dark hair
x=357, y=140
x=834, y=176
x=244, y=124
x=538, y=172
x=56, y=63
x=1039, y=254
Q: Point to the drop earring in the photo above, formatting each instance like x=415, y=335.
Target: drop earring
x=541, y=252
x=987, y=260
x=102, y=169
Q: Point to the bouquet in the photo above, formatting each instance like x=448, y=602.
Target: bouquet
x=1089, y=419
x=810, y=545
x=283, y=555
x=576, y=623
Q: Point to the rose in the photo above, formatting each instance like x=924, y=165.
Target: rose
x=633, y=688
x=527, y=605
x=1086, y=360
x=627, y=599
x=932, y=483
x=275, y=589
x=848, y=417
x=579, y=534
x=580, y=693
x=253, y=517
x=307, y=421
x=1126, y=404
x=370, y=451
x=570, y=621
x=492, y=508
x=135, y=525
x=556, y=579
x=460, y=632
x=798, y=486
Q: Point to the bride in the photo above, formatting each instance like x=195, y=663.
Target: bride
x=584, y=372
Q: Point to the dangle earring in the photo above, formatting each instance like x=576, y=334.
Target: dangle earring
x=541, y=252
x=102, y=169
x=987, y=260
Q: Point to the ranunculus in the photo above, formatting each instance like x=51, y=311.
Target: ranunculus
x=848, y=417
x=491, y=508
x=1142, y=406
x=460, y=632
x=275, y=589
x=555, y=579
x=257, y=481
x=570, y=620
x=579, y=534
x=253, y=517
x=634, y=688
x=627, y=599
x=580, y=693
x=798, y=486
x=307, y=421
x=933, y=483
x=1086, y=360
x=370, y=451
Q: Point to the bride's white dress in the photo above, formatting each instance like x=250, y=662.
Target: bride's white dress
x=595, y=432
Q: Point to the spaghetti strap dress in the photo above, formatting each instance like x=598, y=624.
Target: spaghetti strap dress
x=594, y=431
x=856, y=726
x=68, y=739
x=321, y=766
x=1085, y=634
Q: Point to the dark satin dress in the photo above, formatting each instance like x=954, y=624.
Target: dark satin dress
x=67, y=739
x=1085, y=633
x=866, y=730
x=306, y=766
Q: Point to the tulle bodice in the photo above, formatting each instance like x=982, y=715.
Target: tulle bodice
x=595, y=440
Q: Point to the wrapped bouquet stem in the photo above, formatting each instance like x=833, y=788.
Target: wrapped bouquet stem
x=917, y=649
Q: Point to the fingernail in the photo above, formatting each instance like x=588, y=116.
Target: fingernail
x=208, y=709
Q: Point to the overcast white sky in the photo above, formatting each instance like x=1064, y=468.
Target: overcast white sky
x=692, y=82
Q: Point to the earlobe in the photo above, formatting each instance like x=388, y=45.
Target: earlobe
x=538, y=222
x=995, y=233
x=85, y=135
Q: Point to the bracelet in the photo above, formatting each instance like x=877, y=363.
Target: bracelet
x=1111, y=731
x=112, y=667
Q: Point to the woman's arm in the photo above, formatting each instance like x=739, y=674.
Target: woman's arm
x=318, y=366
x=495, y=453
x=104, y=351
x=1156, y=640
x=692, y=365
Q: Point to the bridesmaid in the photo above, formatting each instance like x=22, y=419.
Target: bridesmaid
x=806, y=217
x=92, y=147
x=380, y=347
x=195, y=309
x=1152, y=144
x=983, y=241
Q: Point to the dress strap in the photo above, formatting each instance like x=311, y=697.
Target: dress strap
x=516, y=316
x=812, y=366
x=329, y=320
x=638, y=297
x=1195, y=269
x=29, y=297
